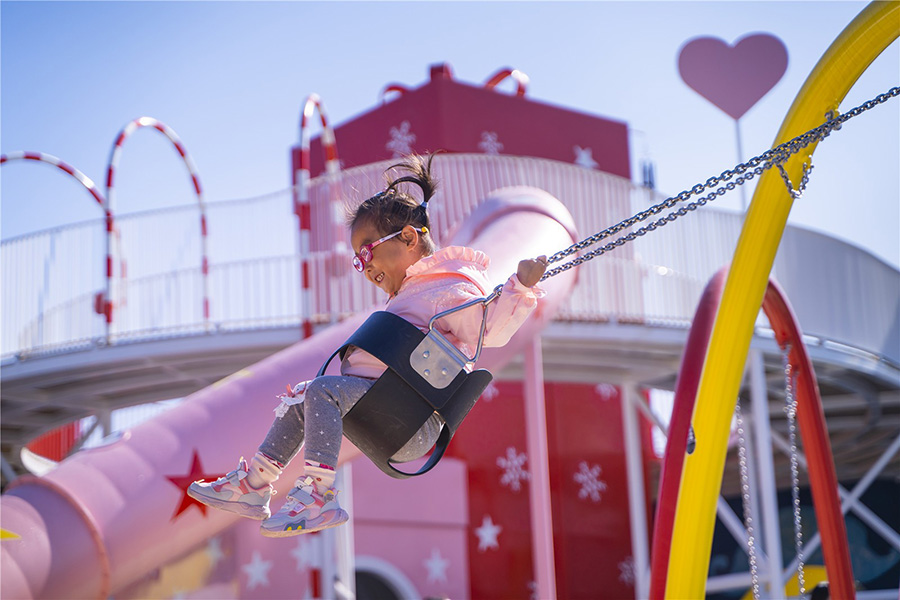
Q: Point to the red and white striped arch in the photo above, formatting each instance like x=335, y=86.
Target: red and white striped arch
x=311, y=106
x=103, y=305
x=518, y=76
x=493, y=81
x=126, y=131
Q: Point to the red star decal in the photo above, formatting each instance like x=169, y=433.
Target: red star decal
x=184, y=481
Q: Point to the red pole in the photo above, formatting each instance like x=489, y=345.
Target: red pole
x=301, y=197
x=813, y=430
x=679, y=427
x=811, y=418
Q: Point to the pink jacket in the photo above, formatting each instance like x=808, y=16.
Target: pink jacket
x=450, y=277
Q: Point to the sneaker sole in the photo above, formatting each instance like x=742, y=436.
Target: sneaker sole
x=291, y=532
x=242, y=509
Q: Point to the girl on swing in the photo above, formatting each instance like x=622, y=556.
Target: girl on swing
x=395, y=251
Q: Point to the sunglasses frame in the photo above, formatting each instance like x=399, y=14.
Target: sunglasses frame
x=364, y=256
x=365, y=253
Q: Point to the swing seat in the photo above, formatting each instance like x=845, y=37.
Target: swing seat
x=402, y=399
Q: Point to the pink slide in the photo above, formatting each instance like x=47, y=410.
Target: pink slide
x=109, y=515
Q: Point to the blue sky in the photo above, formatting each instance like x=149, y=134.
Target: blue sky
x=230, y=78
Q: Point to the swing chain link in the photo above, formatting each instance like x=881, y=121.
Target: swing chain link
x=796, y=194
x=740, y=174
x=790, y=410
x=743, y=462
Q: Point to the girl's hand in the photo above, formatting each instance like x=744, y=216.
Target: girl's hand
x=531, y=270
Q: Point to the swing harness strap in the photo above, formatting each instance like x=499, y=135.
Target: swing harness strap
x=407, y=395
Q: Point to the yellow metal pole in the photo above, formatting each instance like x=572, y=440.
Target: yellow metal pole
x=838, y=69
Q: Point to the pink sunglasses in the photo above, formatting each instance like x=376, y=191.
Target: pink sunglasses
x=365, y=253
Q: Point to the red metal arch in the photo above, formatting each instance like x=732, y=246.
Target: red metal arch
x=104, y=304
x=519, y=77
x=301, y=177
x=810, y=417
x=116, y=152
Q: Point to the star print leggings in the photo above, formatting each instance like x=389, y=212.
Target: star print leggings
x=328, y=399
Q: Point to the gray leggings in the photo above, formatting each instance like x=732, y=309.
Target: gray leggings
x=328, y=399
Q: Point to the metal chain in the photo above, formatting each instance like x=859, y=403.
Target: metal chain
x=745, y=500
x=726, y=181
x=796, y=194
x=790, y=409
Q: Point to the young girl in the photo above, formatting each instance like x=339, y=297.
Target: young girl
x=395, y=251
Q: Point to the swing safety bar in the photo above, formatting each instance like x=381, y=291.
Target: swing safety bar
x=436, y=358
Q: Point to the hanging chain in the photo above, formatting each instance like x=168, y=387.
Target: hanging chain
x=726, y=181
x=796, y=193
x=790, y=409
x=745, y=500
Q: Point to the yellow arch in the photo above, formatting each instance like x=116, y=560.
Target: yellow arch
x=849, y=55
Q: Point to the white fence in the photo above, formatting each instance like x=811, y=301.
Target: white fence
x=50, y=279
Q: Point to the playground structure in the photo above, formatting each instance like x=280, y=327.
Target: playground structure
x=857, y=46
x=762, y=232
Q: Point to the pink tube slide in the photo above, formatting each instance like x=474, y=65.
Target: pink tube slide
x=108, y=516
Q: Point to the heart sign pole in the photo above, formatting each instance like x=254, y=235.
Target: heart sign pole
x=734, y=78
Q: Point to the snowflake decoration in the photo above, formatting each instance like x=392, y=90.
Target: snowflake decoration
x=490, y=392
x=627, y=571
x=489, y=143
x=605, y=391
x=584, y=157
x=513, y=466
x=401, y=140
x=589, y=479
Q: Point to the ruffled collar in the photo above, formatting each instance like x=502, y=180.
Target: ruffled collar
x=449, y=259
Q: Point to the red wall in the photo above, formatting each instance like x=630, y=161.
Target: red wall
x=591, y=535
x=447, y=114
x=56, y=444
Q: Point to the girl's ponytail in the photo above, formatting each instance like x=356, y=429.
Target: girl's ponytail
x=421, y=176
x=394, y=208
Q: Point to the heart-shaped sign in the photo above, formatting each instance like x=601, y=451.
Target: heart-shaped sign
x=734, y=78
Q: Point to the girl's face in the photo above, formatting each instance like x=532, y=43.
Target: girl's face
x=391, y=258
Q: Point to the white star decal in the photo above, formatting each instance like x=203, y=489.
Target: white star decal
x=437, y=566
x=308, y=551
x=214, y=551
x=257, y=571
x=487, y=534
x=584, y=157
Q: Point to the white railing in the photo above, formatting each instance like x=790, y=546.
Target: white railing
x=840, y=293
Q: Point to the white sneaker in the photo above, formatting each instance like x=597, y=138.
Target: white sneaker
x=234, y=493
x=305, y=510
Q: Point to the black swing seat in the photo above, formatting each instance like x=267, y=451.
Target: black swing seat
x=406, y=396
